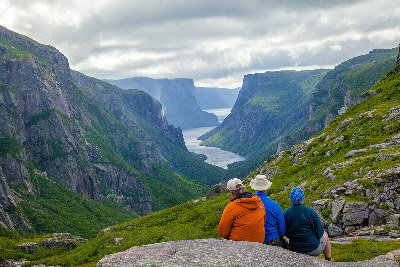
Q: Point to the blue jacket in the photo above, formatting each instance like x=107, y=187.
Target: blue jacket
x=275, y=225
x=304, y=228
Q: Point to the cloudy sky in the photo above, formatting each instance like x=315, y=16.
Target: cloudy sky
x=215, y=42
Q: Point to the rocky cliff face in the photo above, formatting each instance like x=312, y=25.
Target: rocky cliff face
x=343, y=87
x=92, y=137
x=269, y=104
x=177, y=97
x=39, y=110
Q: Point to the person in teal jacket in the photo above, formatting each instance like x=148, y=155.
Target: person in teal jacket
x=304, y=228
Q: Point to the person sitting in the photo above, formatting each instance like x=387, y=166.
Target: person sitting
x=275, y=225
x=243, y=218
x=304, y=228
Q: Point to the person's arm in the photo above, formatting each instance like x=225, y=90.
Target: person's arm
x=281, y=222
x=318, y=229
x=225, y=224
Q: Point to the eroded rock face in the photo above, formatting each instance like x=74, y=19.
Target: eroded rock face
x=216, y=190
x=221, y=252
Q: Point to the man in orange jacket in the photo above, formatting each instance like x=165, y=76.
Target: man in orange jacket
x=244, y=217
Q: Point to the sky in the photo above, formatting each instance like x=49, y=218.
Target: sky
x=214, y=42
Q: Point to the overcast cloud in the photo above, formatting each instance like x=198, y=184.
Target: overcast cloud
x=214, y=42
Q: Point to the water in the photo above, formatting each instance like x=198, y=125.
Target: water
x=215, y=156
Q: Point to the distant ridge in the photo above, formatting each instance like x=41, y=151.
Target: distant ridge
x=177, y=98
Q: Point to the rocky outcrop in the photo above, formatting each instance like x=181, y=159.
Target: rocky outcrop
x=59, y=240
x=216, y=190
x=220, y=252
x=177, y=98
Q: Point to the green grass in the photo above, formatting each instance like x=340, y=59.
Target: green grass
x=58, y=209
x=361, y=250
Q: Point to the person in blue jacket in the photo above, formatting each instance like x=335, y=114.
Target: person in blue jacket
x=275, y=226
x=304, y=228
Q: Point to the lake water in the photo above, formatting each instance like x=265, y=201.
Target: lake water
x=215, y=156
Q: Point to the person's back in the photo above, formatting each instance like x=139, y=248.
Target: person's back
x=274, y=221
x=302, y=228
x=243, y=218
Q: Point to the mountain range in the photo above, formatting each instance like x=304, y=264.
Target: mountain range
x=177, y=97
x=349, y=172
x=110, y=145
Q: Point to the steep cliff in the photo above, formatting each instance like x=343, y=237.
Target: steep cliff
x=342, y=88
x=96, y=139
x=177, y=97
x=269, y=105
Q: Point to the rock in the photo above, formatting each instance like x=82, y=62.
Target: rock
x=353, y=153
x=369, y=94
x=349, y=229
x=331, y=177
x=319, y=205
x=342, y=111
x=118, y=241
x=355, y=213
x=344, y=123
x=337, y=209
x=59, y=240
x=394, y=221
x=377, y=217
x=221, y=252
x=335, y=230
x=216, y=190
x=338, y=140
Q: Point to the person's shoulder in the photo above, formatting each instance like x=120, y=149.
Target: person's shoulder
x=288, y=210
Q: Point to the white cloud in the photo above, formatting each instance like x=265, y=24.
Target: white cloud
x=214, y=42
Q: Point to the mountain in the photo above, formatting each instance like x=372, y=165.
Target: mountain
x=213, y=98
x=269, y=106
x=349, y=172
x=177, y=97
x=342, y=88
x=80, y=135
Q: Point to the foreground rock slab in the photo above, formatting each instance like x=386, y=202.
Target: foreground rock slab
x=217, y=252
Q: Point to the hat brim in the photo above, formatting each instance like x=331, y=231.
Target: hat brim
x=260, y=188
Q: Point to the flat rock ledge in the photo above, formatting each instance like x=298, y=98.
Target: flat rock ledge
x=220, y=252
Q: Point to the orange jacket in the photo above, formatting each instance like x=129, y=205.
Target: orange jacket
x=243, y=220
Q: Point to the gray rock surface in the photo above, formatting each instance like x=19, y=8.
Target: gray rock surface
x=219, y=252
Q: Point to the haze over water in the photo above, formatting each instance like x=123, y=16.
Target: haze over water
x=215, y=156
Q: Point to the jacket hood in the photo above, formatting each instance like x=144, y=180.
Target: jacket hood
x=250, y=203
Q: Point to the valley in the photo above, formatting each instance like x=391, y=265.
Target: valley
x=215, y=156
x=90, y=167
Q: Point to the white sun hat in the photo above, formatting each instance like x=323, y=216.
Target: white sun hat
x=234, y=184
x=260, y=183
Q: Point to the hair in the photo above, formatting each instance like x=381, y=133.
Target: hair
x=239, y=189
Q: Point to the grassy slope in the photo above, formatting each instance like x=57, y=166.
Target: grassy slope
x=360, y=133
x=200, y=220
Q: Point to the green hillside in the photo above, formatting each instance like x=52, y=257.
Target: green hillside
x=69, y=142
x=363, y=146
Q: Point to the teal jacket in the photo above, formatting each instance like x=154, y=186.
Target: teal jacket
x=303, y=228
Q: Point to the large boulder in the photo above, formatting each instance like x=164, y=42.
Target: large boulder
x=221, y=252
x=216, y=190
x=355, y=213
